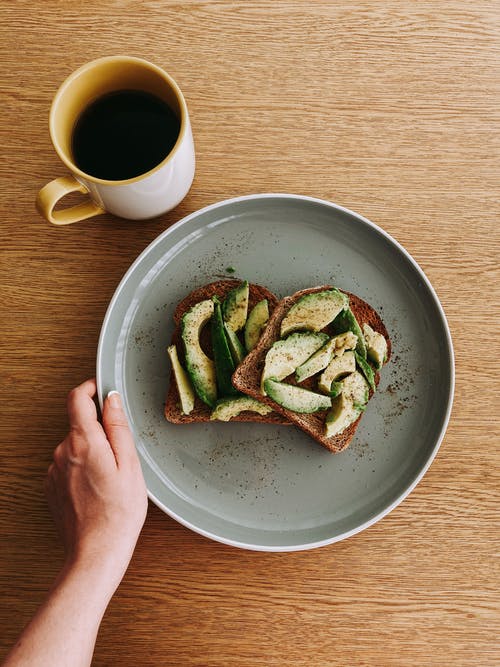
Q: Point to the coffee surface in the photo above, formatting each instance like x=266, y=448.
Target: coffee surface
x=124, y=134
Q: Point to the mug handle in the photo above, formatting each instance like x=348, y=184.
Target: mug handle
x=51, y=193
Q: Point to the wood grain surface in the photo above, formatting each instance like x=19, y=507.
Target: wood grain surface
x=388, y=108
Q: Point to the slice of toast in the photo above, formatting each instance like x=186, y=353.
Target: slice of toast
x=201, y=412
x=247, y=376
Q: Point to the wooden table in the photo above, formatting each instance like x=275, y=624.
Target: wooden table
x=388, y=108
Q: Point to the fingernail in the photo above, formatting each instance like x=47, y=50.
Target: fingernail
x=114, y=399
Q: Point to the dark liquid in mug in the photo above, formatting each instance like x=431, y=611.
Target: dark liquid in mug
x=124, y=134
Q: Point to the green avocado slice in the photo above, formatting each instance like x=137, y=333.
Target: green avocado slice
x=235, y=306
x=317, y=362
x=224, y=364
x=200, y=368
x=256, y=323
x=284, y=356
x=236, y=348
x=345, y=321
x=227, y=408
x=347, y=407
x=184, y=386
x=314, y=312
x=337, y=368
x=296, y=398
x=376, y=346
x=335, y=389
x=366, y=369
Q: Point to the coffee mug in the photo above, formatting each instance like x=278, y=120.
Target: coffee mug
x=142, y=196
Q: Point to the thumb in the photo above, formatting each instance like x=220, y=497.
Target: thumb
x=117, y=429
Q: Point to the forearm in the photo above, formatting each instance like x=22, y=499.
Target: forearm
x=63, y=631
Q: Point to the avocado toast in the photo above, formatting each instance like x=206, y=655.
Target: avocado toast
x=215, y=326
x=317, y=362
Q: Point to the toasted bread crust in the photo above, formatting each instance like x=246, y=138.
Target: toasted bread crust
x=247, y=376
x=201, y=412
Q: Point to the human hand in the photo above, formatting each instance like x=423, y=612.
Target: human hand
x=95, y=487
x=97, y=495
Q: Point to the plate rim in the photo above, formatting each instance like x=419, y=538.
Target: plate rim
x=324, y=202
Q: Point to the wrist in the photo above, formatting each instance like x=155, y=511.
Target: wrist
x=101, y=572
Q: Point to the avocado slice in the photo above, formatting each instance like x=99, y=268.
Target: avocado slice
x=313, y=312
x=236, y=348
x=345, y=321
x=295, y=398
x=366, y=369
x=224, y=364
x=284, y=356
x=337, y=368
x=235, y=306
x=200, y=368
x=355, y=389
x=256, y=323
x=347, y=407
x=227, y=408
x=316, y=362
x=320, y=359
x=335, y=389
x=184, y=386
x=376, y=346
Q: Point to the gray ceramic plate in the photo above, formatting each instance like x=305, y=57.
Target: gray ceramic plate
x=273, y=488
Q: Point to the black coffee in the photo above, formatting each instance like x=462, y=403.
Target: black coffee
x=124, y=134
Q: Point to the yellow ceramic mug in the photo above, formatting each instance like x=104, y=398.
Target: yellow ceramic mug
x=142, y=197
